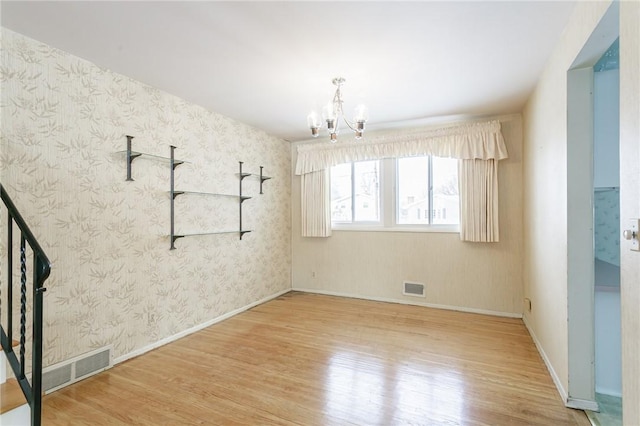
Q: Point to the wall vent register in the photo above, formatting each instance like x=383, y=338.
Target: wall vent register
x=63, y=374
x=413, y=289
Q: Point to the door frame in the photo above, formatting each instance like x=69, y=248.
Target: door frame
x=580, y=249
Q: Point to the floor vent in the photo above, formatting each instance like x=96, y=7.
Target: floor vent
x=65, y=373
x=413, y=289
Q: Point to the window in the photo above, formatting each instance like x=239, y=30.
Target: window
x=427, y=191
x=403, y=193
x=355, y=192
x=413, y=191
x=445, y=197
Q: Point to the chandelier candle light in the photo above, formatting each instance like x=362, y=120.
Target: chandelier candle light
x=332, y=112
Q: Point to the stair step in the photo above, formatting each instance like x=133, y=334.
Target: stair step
x=14, y=344
x=4, y=365
x=12, y=396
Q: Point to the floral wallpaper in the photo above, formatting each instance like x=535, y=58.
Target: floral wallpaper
x=607, y=225
x=114, y=279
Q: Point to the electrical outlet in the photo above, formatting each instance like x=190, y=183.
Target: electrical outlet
x=527, y=304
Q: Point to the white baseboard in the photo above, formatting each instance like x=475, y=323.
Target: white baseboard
x=580, y=404
x=196, y=328
x=547, y=362
x=410, y=302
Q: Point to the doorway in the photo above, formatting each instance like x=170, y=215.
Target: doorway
x=606, y=181
x=580, y=213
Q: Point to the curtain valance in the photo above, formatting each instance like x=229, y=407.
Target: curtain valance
x=474, y=141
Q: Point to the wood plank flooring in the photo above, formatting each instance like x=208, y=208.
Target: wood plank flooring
x=305, y=359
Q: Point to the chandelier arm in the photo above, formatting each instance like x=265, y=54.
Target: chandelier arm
x=348, y=124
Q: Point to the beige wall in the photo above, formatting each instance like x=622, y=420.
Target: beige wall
x=474, y=276
x=630, y=205
x=114, y=279
x=545, y=193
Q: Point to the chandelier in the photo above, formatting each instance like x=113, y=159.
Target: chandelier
x=332, y=113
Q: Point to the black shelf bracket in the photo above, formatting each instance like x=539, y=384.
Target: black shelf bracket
x=173, y=193
x=130, y=157
x=262, y=179
x=173, y=240
x=242, y=176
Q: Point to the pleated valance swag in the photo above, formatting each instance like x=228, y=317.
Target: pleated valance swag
x=478, y=146
x=476, y=141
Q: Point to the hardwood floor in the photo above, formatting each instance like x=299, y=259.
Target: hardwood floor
x=308, y=359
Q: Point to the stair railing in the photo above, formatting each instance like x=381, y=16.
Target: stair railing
x=41, y=268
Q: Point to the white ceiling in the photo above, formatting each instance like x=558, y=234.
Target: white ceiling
x=269, y=64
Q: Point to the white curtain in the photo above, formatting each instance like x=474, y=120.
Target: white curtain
x=467, y=141
x=478, y=182
x=479, y=146
x=316, y=204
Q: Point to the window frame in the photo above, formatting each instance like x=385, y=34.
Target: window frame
x=362, y=223
x=388, y=190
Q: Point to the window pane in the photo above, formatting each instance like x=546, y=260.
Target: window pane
x=413, y=190
x=341, y=193
x=446, y=204
x=367, y=191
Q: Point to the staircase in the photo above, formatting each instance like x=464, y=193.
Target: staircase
x=20, y=389
x=14, y=409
